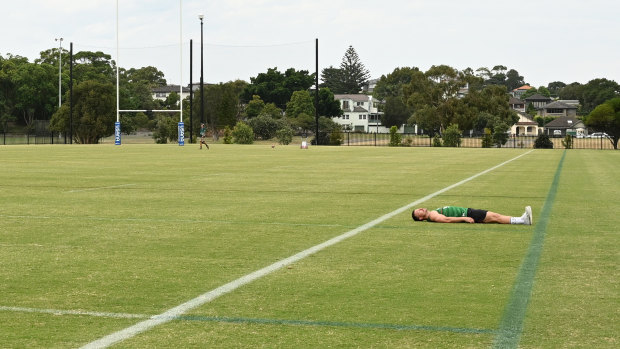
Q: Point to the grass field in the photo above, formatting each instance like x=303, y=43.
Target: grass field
x=98, y=239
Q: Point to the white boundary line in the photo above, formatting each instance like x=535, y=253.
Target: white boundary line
x=99, y=188
x=75, y=312
x=172, y=313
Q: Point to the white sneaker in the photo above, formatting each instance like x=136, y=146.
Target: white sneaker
x=529, y=219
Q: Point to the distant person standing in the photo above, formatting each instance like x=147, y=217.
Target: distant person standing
x=203, y=134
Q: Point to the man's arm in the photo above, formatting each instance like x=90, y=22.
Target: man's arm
x=435, y=216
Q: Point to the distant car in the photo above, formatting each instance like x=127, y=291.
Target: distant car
x=598, y=135
x=557, y=133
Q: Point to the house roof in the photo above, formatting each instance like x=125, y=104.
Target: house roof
x=537, y=97
x=514, y=100
x=565, y=122
x=559, y=105
x=524, y=87
x=168, y=89
x=357, y=109
x=353, y=97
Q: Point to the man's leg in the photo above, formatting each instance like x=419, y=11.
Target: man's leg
x=493, y=217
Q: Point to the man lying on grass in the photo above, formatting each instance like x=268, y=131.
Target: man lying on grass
x=455, y=214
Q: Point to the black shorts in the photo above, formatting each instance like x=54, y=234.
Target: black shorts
x=477, y=215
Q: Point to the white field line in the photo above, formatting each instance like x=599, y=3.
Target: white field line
x=179, y=310
x=74, y=312
x=100, y=188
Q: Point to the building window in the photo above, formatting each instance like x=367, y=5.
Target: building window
x=345, y=104
x=346, y=117
x=360, y=104
x=555, y=111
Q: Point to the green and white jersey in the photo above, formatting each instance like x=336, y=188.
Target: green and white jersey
x=453, y=211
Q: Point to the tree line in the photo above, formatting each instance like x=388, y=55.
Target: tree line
x=434, y=100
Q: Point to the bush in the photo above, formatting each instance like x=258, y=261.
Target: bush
x=243, y=134
x=284, y=135
x=165, y=130
x=487, y=140
x=500, y=135
x=543, y=142
x=264, y=126
x=336, y=137
x=436, y=141
x=567, y=142
x=228, y=137
x=395, y=137
x=452, y=136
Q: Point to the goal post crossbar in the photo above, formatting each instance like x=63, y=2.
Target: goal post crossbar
x=148, y=110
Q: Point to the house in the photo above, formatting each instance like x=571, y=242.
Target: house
x=517, y=104
x=558, y=109
x=369, y=87
x=526, y=126
x=564, y=125
x=360, y=113
x=537, y=100
x=519, y=91
x=162, y=92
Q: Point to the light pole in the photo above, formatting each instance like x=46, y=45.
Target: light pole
x=202, y=95
x=59, y=72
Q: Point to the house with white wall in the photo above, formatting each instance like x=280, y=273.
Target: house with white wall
x=162, y=92
x=359, y=113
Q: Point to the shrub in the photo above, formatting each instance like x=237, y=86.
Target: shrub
x=500, y=135
x=336, y=137
x=228, y=137
x=395, y=137
x=436, y=141
x=543, y=142
x=243, y=134
x=284, y=135
x=567, y=142
x=407, y=142
x=487, y=140
x=452, y=136
x=264, y=126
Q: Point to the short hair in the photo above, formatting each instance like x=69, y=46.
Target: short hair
x=414, y=216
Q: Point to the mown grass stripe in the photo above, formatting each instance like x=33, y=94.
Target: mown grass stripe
x=511, y=325
x=259, y=321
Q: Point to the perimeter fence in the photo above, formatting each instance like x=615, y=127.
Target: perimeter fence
x=346, y=139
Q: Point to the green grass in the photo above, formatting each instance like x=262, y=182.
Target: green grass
x=139, y=229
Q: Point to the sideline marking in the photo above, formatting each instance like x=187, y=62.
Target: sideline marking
x=237, y=320
x=74, y=312
x=99, y=188
x=179, y=310
x=511, y=326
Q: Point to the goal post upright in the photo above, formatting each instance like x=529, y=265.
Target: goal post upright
x=181, y=126
x=181, y=140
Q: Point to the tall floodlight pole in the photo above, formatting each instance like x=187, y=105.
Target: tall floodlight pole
x=202, y=94
x=59, y=71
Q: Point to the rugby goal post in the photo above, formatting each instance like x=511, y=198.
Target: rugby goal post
x=181, y=126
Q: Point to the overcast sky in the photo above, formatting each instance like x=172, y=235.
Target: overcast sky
x=544, y=40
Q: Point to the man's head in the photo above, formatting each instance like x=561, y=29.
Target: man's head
x=419, y=214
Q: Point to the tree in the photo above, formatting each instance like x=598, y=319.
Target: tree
x=221, y=106
x=355, y=74
x=513, y=80
x=254, y=107
x=276, y=87
x=555, y=88
x=452, y=136
x=532, y=91
x=328, y=106
x=35, y=92
x=94, y=112
x=598, y=91
x=434, y=97
x=301, y=102
x=395, y=112
x=264, y=127
x=606, y=118
x=332, y=79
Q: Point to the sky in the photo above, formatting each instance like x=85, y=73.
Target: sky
x=544, y=40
